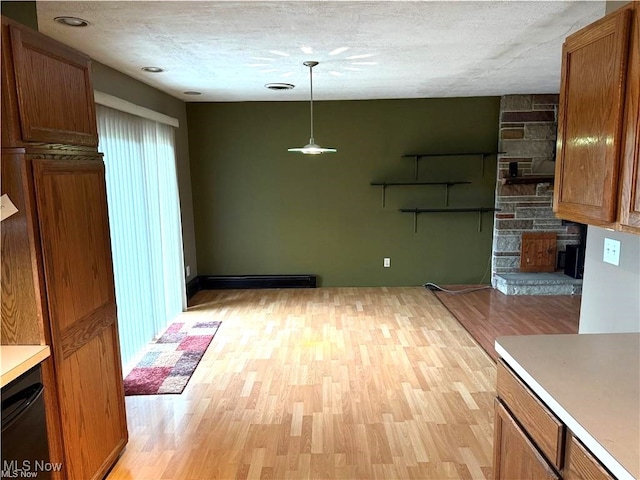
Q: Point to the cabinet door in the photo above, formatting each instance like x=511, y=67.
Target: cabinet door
x=72, y=214
x=581, y=465
x=514, y=454
x=10, y=131
x=630, y=197
x=538, y=251
x=21, y=298
x=594, y=68
x=53, y=90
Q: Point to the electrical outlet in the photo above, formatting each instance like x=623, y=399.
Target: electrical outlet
x=386, y=262
x=187, y=270
x=611, y=251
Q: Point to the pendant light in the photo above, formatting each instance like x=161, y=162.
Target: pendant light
x=312, y=148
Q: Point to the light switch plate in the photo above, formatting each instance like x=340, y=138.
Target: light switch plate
x=611, y=251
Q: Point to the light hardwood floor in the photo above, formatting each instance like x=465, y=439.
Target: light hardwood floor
x=333, y=383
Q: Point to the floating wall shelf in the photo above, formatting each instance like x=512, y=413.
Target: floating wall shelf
x=417, y=211
x=418, y=156
x=447, y=185
x=384, y=186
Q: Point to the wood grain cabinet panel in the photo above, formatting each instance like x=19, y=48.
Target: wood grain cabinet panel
x=10, y=131
x=73, y=221
x=515, y=456
x=581, y=465
x=538, y=251
x=73, y=218
x=92, y=407
x=52, y=90
x=22, y=317
x=541, y=425
x=590, y=120
x=598, y=146
x=630, y=184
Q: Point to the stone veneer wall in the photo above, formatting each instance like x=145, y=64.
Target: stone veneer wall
x=528, y=126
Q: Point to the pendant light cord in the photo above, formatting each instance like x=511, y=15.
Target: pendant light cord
x=311, y=148
x=311, y=140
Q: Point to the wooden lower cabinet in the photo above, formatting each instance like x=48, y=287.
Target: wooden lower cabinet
x=531, y=443
x=57, y=289
x=581, y=465
x=515, y=456
x=542, y=426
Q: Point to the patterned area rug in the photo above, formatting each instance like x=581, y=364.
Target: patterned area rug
x=169, y=362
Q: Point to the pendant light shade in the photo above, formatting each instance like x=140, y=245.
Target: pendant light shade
x=312, y=148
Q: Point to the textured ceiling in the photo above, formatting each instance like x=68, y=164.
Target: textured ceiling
x=229, y=50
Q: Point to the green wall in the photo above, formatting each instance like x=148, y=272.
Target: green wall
x=259, y=209
x=23, y=12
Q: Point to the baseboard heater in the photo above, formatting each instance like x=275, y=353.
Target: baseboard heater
x=215, y=282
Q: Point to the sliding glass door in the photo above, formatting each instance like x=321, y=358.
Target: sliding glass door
x=145, y=225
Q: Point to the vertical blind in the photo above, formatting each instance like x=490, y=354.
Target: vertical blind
x=145, y=226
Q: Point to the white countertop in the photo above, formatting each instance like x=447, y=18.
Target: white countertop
x=17, y=359
x=592, y=383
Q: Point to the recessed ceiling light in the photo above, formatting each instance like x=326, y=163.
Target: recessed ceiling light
x=191, y=92
x=279, y=86
x=72, y=21
x=152, y=69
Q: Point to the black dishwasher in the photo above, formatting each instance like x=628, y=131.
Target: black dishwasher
x=25, y=451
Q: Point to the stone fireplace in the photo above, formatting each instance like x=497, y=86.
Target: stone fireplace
x=524, y=195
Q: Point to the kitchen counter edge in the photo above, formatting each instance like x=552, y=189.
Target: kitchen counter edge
x=18, y=359
x=555, y=405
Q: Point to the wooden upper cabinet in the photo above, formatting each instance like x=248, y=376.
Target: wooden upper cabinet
x=49, y=90
x=630, y=189
x=590, y=120
x=598, y=148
